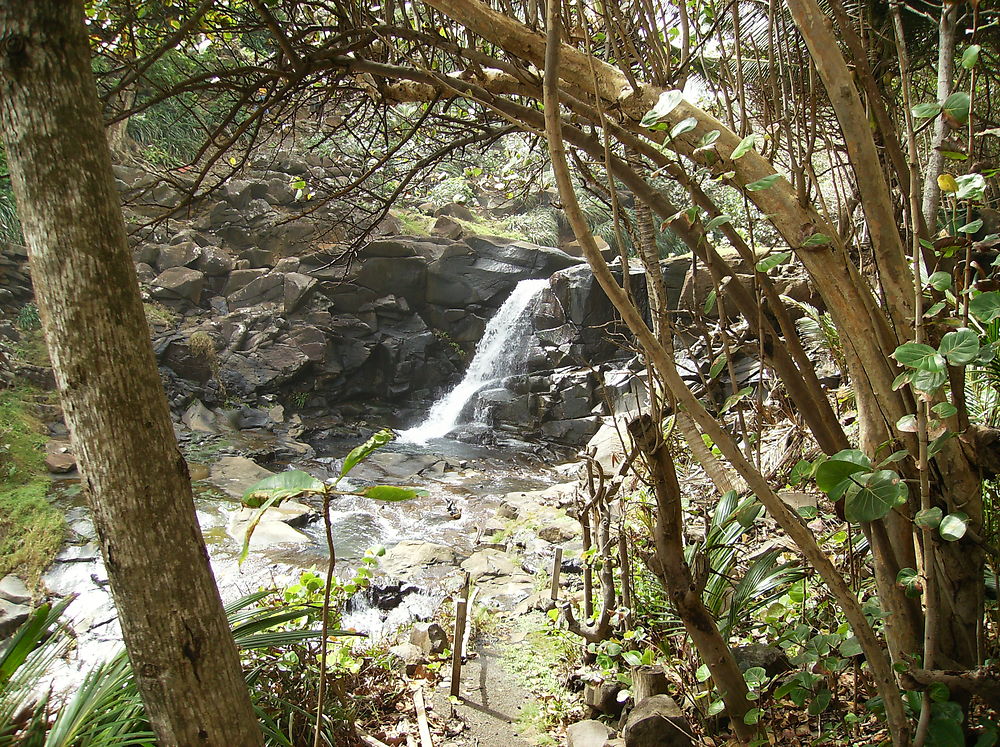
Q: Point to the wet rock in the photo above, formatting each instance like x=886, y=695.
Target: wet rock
x=13, y=590
x=58, y=457
x=657, y=721
x=588, y=733
x=430, y=638
x=12, y=616
x=411, y=556
x=235, y=475
x=179, y=283
x=489, y=562
x=382, y=596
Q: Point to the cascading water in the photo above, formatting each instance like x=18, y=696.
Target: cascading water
x=498, y=354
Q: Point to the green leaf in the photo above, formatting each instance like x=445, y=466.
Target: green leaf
x=733, y=399
x=717, y=366
x=710, y=302
x=907, y=424
x=773, y=261
x=800, y=472
x=920, y=356
x=873, y=495
x=960, y=346
x=970, y=56
x=939, y=280
x=986, y=306
x=391, y=493
x=833, y=475
x=820, y=703
x=762, y=184
x=953, y=526
x=928, y=518
x=944, y=409
x=904, y=378
x=276, y=488
x=358, y=455
x=909, y=581
x=703, y=673
x=685, y=125
x=755, y=677
x=928, y=381
x=745, y=146
x=935, y=446
x=971, y=227
x=971, y=187
x=667, y=102
x=707, y=140
x=957, y=106
x=926, y=110
x=850, y=647
x=896, y=456
x=718, y=221
x=817, y=239
x=254, y=521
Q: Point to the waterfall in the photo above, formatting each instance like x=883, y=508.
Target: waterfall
x=499, y=354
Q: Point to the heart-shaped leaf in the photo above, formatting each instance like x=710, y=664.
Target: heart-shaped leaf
x=939, y=280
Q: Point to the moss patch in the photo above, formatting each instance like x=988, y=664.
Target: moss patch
x=413, y=224
x=31, y=529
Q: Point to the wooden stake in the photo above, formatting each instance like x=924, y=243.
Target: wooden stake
x=422, y=725
x=461, y=611
x=556, y=568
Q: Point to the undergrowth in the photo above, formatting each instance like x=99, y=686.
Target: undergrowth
x=31, y=529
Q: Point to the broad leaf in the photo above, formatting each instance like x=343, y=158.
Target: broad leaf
x=769, y=263
x=944, y=409
x=986, y=306
x=971, y=187
x=685, y=125
x=833, y=475
x=928, y=381
x=939, y=280
x=366, y=449
x=971, y=227
x=276, y=488
x=929, y=518
x=873, y=495
x=960, y=347
x=718, y=221
x=733, y=399
x=920, y=356
x=667, y=102
x=907, y=424
x=909, y=581
x=926, y=110
x=953, y=526
x=971, y=56
x=745, y=146
x=707, y=140
x=392, y=494
x=957, y=106
x=710, y=302
x=817, y=239
x=765, y=183
x=717, y=366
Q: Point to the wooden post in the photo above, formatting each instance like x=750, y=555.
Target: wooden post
x=556, y=569
x=461, y=611
x=626, y=574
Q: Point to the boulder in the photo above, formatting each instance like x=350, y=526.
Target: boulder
x=489, y=562
x=144, y=273
x=12, y=616
x=236, y=474
x=177, y=255
x=410, y=656
x=13, y=590
x=657, y=721
x=447, y=228
x=214, y=262
x=296, y=290
x=179, y=283
x=240, y=278
x=430, y=638
x=772, y=659
x=58, y=457
x=264, y=289
x=455, y=210
x=588, y=733
x=411, y=555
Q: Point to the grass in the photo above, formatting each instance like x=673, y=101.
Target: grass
x=413, y=224
x=31, y=529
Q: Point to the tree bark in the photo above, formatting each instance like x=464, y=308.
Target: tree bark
x=185, y=662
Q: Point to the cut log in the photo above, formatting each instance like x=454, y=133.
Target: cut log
x=657, y=722
x=602, y=697
x=647, y=682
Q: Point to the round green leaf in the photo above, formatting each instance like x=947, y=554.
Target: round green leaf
x=971, y=56
x=960, y=347
x=944, y=409
x=833, y=475
x=920, y=356
x=871, y=496
x=928, y=381
x=667, y=102
x=908, y=579
x=939, y=280
x=953, y=526
x=957, y=106
x=929, y=518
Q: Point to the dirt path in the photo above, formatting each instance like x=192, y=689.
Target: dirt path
x=491, y=701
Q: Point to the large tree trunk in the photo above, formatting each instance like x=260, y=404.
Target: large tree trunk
x=185, y=662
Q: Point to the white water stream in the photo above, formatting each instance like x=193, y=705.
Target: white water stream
x=498, y=354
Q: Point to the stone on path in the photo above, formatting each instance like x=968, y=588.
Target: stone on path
x=13, y=590
x=587, y=734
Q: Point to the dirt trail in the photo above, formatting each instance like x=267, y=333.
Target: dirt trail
x=491, y=701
